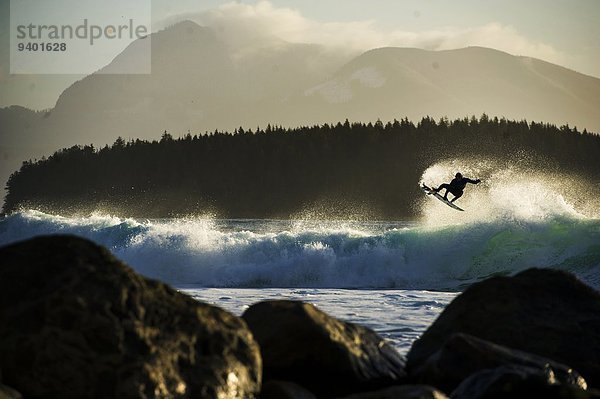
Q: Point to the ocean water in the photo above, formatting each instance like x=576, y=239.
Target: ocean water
x=400, y=316
x=393, y=276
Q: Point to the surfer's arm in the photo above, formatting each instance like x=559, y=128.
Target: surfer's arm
x=476, y=181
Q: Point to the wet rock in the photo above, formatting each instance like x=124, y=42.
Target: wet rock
x=545, y=312
x=402, y=392
x=284, y=390
x=517, y=382
x=462, y=355
x=9, y=393
x=77, y=323
x=330, y=357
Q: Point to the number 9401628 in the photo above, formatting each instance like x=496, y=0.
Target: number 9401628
x=42, y=46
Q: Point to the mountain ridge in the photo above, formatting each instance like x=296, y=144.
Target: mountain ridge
x=499, y=80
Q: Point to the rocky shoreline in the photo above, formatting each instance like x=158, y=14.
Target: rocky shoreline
x=77, y=323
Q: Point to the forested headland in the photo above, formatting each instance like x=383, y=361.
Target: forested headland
x=337, y=170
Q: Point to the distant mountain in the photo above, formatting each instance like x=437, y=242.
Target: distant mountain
x=390, y=82
x=199, y=83
x=19, y=129
x=17, y=119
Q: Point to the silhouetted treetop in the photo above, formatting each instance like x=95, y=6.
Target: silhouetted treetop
x=277, y=172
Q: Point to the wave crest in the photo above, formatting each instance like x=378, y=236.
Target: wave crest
x=217, y=253
x=510, y=193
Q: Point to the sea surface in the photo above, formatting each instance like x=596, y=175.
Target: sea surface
x=400, y=316
x=393, y=276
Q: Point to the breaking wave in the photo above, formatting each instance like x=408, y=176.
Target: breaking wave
x=513, y=221
x=213, y=253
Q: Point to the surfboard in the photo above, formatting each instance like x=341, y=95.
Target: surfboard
x=430, y=191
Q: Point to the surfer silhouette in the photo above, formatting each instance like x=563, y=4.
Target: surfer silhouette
x=456, y=186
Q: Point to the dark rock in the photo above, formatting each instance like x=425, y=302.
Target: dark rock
x=401, y=392
x=284, y=390
x=77, y=323
x=517, y=382
x=463, y=355
x=546, y=312
x=330, y=357
x=9, y=393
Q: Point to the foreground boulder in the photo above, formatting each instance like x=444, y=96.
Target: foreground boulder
x=275, y=389
x=463, y=355
x=9, y=393
x=515, y=381
x=545, y=312
x=401, y=392
x=300, y=343
x=77, y=323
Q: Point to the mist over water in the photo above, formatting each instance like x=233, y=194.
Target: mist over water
x=513, y=221
x=509, y=193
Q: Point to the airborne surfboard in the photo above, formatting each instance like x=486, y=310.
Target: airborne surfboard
x=430, y=191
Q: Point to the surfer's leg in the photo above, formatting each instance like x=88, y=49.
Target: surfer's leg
x=457, y=195
x=445, y=185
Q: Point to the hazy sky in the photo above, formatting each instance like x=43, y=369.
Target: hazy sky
x=565, y=32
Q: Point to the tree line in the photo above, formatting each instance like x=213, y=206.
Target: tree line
x=276, y=172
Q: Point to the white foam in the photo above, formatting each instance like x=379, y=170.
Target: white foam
x=507, y=194
x=214, y=253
